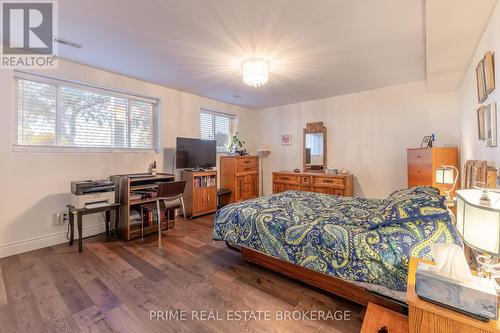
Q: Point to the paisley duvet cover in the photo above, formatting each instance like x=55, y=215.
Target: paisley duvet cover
x=367, y=240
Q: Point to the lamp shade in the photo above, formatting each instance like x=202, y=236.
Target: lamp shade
x=478, y=224
x=444, y=175
x=263, y=149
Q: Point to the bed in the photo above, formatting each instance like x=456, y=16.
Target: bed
x=358, y=245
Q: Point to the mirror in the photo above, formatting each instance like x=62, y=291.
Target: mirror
x=314, y=147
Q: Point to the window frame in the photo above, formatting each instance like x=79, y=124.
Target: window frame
x=232, y=124
x=59, y=82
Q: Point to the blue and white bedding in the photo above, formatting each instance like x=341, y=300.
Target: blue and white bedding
x=363, y=240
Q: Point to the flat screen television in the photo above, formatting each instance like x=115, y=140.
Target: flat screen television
x=195, y=153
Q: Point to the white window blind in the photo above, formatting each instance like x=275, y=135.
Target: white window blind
x=56, y=113
x=216, y=126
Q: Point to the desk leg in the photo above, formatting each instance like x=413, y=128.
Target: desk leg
x=80, y=236
x=71, y=228
x=108, y=221
x=117, y=220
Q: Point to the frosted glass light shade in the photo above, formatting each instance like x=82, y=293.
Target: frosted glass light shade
x=444, y=176
x=255, y=72
x=479, y=225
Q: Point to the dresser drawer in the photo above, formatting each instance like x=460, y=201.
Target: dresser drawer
x=286, y=178
x=418, y=156
x=420, y=171
x=246, y=164
x=328, y=181
x=305, y=180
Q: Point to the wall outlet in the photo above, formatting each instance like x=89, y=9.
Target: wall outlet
x=61, y=218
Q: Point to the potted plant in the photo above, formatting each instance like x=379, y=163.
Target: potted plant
x=235, y=145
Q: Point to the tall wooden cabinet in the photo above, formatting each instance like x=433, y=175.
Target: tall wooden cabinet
x=240, y=174
x=423, y=162
x=200, y=194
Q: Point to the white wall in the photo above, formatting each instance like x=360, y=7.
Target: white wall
x=368, y=133
x=35, y=186
x=471, y=147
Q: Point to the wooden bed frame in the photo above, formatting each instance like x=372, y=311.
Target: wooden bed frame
x=325, y=282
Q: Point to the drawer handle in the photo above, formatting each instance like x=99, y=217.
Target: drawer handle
x=328, y=181
x=285, y=178
x=248, y=169
x=418, y=156
x=247, y=162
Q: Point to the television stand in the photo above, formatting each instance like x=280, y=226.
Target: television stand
x=200, y=194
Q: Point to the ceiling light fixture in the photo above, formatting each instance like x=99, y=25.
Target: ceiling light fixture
x=255, y=72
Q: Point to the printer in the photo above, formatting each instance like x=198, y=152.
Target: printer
x=92, y=193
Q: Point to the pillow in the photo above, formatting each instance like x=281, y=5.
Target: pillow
x=408, y=204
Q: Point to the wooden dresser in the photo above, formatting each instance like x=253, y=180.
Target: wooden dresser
x=313, y=182
x=200, y=194
x=422, y=164
x=240, y=174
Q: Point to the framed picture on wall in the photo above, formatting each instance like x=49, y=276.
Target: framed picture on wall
x=480, y=124
x=286, y=139
x=481, y=85
x=489, y=72
x=491, y=125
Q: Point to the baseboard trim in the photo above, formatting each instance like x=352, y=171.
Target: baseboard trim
x=36, y=243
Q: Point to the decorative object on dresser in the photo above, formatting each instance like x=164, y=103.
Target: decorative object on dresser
x=313, y=182
x=200, y=195
x=426, y=142
x=240, y=174
x=428, y=317
x=134, y=191
x=314, y=152
x=423, y=162
x=479, y=173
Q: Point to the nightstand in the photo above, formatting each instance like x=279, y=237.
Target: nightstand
x=432, y=318
x=377, y=317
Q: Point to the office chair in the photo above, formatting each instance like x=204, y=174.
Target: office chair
x=169, y=197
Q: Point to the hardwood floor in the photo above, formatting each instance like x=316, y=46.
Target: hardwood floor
x=113, y=286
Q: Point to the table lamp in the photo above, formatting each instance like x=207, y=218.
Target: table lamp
x=263, y=151
x=447, y=174
x=478, y=222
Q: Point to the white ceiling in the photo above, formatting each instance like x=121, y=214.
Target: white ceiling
x=317, y=48
x=454, y=28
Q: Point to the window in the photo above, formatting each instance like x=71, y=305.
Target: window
x=216, y=126
x=57, y=113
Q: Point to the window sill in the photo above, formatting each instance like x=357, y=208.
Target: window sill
x=84, y=150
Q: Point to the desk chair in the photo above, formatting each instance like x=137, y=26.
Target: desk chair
x=169, y=197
